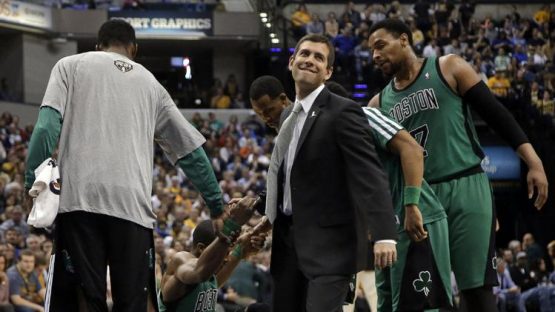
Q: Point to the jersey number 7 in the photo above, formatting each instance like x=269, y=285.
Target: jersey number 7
x=420, y=134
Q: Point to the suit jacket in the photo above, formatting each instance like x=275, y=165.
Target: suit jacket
x=339, y=191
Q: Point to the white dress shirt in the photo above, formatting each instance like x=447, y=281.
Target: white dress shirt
x=306, y=105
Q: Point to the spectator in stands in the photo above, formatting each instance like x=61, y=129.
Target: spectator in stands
x=331, y=25
x=421, y=11
x=344, y=45
x=352, y=14
x=220, y=100
x=508, y=258
x=13, y=239
x=15, y=220
x=507, y=293
x=252, y=123
x=431, y=49
x=502, y=61
x=454, y=25
x=502, y=42
x=548, y=49
x=395, y=11
x=520, y=273
x=483, y=76
x=442, y=35
x=417, y=37
x=547, y=104
x=499, y=84
x=231, y=87
x=543, y=15
x=466, y=10
x=537, y=38
x=536, y=95
x=453, y=48
x=315, y=26
x=517, y=38
x=193, y=219
x=32, y=242
x=26, y=293
x=521, y=87
x=442, y=11
x=299, y=20
x=532, y=249
x=469, y=52
x=41, y=266
x=246, y=279
x=519, y=54
x=363, y=58
x=536, y=57
x=378, y=13
x=538, y=272
x=5, y=305
x=215, y=124
x=239, y=101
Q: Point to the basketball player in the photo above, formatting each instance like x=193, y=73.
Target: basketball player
x=105, y=111
x=192, y=279
x=431, y=98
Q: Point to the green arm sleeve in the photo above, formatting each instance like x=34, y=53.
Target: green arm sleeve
x=43, y=141
x=198, y=169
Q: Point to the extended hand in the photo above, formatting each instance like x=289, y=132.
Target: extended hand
x=251, y=244
x=242, y=211
x=413, y=223
x=536, y=179
x=238, y=209
x=385, y=254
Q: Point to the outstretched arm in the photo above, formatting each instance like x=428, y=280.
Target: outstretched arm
x=464, y=81
x=198, y=169
x=248, y=244
x=191, y=271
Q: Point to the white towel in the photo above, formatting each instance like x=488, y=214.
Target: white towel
x=46, y=194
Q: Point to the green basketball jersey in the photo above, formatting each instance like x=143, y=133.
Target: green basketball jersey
x=438, y=119
x=383, y=130
x=202, y=299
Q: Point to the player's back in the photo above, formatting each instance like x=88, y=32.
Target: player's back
x=438, y=119
x=109, y=105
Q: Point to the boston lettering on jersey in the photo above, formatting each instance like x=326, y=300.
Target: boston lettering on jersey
x=206, y=300
x=420, y=100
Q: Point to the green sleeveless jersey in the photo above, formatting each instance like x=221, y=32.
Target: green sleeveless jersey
x=202, y=299
x=383, y=130
x=438, y=119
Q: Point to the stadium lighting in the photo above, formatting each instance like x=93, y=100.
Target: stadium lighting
x=263, y=14
x=264, y=20
x=275, y=40
x=272, y=35
x=269, y=25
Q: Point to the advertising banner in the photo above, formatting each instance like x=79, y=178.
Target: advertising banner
x=26, y=14
x=167, y=23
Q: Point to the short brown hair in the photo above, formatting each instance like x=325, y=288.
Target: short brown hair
x=26, y=252
x=319, y=39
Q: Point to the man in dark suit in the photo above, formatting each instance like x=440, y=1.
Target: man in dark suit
x=330, y=191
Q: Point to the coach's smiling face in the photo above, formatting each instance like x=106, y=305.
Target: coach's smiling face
x=309, y=66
